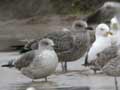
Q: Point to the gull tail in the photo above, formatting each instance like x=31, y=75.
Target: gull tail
x=10, y=64
x=86, y=63
x=23, y=50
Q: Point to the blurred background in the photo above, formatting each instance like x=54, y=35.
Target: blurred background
x=10, y=9
x=32, y=19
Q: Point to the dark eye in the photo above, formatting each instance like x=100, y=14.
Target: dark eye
x=78, y=25
x=108, y=7
x=102, y=29
x=45, y=43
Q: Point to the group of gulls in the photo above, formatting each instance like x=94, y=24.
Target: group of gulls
x=40, y=57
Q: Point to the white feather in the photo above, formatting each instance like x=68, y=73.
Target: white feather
x=115, y=29
x=102, y=41
x=30, y=88
x=99, y=45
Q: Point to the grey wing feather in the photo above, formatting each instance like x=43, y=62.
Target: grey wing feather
x=112, y=68
x=105, y=56
x=32, y=45
x=63, y=40
x=25, y=60
x=92, y=37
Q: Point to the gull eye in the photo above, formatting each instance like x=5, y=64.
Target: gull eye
x=102, y=29
x=45, y=43
x=79, y=25
x=108, y=7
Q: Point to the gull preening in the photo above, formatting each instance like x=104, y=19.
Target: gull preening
x=38, y=63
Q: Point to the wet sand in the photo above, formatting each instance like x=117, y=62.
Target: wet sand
x=77, y=78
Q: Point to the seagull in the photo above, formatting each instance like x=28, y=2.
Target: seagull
x=38, y=63
x=104, y=14
x=112, y=68
x=104, y=57
x=111, y=52
x=115, y=29
x=102, y=41
x=109, y=59
x=70, y=44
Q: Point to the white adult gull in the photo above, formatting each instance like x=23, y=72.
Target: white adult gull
x=102, y=41
x=38, y=63
x=111, y=52
x=108, y=61
x=115, y=29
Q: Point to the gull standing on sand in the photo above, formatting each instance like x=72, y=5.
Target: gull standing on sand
x=38, y=63
x=70, y=44
x=102, y=41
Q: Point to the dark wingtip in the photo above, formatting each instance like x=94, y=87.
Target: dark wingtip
x=7, y=65
x=10, y=64
x=17, y=47
x=86, y=63
x=24, y=50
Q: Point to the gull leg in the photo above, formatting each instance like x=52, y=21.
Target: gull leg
x=32, y=80
x=65, y=66
x=116, y=83
x=95, y=69
x=46, y=79
x=62, y=65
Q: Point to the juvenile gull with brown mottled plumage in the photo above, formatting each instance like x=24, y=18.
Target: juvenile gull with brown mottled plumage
x=70, y=44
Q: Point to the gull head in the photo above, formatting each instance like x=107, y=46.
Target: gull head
x=114, y=25
x=102, y=30
x=46, y=42
x=79, y=24
x=111, y=5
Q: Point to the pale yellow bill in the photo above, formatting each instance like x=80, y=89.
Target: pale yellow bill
x=109, y=33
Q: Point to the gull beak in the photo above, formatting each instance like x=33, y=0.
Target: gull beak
x=109, y=33
x=52, y=44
